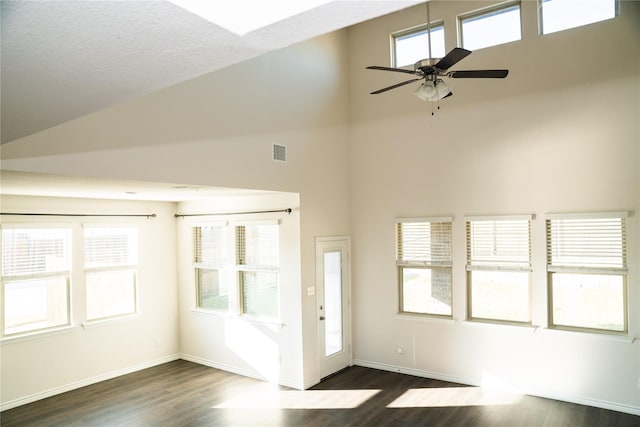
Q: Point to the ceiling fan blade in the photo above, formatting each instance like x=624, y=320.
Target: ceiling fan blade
x=448, y=95
x=394, y=86
x=452, y=58
x=478, y=74
x=398, y=70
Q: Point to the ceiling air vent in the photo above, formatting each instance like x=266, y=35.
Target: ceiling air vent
x=279, y=153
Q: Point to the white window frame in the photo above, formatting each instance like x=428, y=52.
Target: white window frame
x=510, y=263
x=64, y=274
x=580, y=4
x=426, y=259
x=587, y=268
x=130, y=267
x=423, y=28
x=486, y=13
x=243, y=267
x=222, y=266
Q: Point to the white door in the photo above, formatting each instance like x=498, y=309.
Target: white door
x=333, y=299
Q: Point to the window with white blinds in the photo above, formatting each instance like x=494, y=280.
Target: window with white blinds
x=498, y=268
x=210, y=261
x=424, y=261
x=257, y=259
x=36, y=269
x=500, y=243
x=587, y=271
x=427, y=242
x=110, y=262
x=258, y=245
x=209, y=245
x=598, y=243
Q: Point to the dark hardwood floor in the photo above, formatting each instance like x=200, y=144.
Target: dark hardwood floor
x=182, y=393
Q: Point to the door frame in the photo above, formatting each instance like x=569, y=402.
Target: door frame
x=346, y=275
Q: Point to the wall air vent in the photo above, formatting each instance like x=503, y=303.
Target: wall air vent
x=279, y=153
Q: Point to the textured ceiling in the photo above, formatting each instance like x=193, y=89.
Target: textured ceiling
x=61, y=60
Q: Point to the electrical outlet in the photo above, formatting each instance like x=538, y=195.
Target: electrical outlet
x=400, y=350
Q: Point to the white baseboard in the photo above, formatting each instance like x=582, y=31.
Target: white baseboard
x=634, y=410
x=239, y=371
x=85, y=382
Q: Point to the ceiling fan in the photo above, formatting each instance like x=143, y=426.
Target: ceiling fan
x=431, y=70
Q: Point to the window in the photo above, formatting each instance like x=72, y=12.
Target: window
x=558, y=15
x=110, y=261
x=36, y=271
x=424, y=266
x=209, y=259
x=587, y=271
x=498, y=268
x=491, y=27
x=257, y=250
x=410, y=46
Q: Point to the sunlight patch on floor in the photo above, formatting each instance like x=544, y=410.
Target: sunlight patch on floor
x=453, y=396
x=293, y=399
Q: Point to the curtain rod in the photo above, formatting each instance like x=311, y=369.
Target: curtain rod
x=84, y=215
x=288, y=210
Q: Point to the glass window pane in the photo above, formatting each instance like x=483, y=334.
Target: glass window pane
x=209, y=245
x=35, y=250
x=333, y=302
x=30, y=305
x=259, y=293
x=110, y=293
x=259, y=245
x=558, y=15
x=490, y=29
x=500, y=295
x=426, y=290
x=593, y=301
x=109, y=247
x=212, y=293
x=411, y=48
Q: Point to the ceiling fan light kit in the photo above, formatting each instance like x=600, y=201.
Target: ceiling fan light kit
x=433, y=91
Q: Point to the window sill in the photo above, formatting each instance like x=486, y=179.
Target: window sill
x=29, y=336
x=488, y=323
x=590, y=335
x=109, y=321
x=207, y=313
x=425, y=318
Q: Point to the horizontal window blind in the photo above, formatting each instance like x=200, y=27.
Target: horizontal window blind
x=32, y=251
x=258, y=245
x=498, y=242
x=110, y=246
x=424, y=242
x=587, y=242
x=209, y=246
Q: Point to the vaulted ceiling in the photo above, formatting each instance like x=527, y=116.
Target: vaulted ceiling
x=61, y=60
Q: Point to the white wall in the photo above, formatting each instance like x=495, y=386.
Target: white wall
x=218, y=130
x=560, y=134
x=52, y=363
x=270, y=351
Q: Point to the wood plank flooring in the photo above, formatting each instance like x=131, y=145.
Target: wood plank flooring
x=182, y=393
